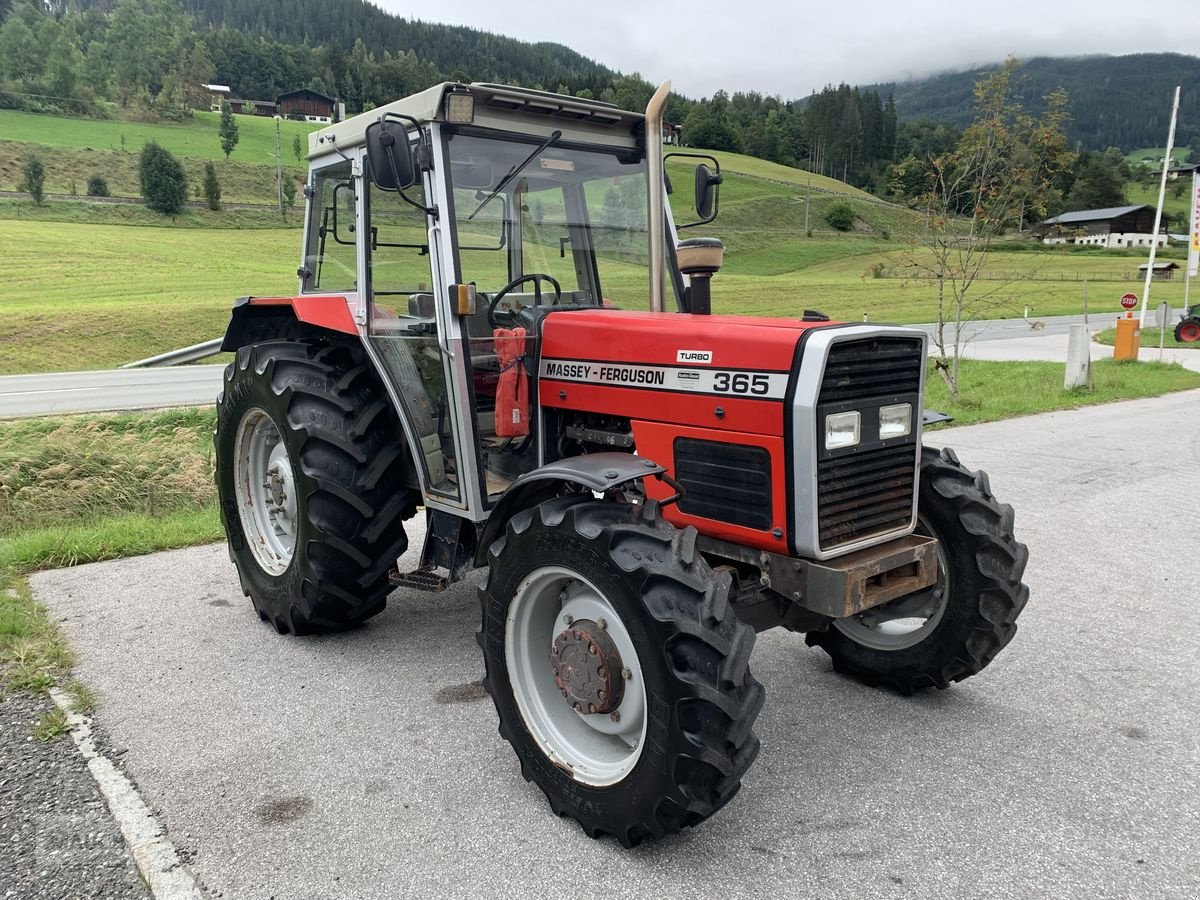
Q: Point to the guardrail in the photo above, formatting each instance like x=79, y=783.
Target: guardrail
x=179, y=357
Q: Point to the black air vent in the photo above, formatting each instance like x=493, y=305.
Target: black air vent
x=879, y=367
x=865, y=494
x=726, y=482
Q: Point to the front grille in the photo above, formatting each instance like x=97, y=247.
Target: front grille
x=865, y=494
x=861, y=370
x=868, y=490
x=726, y=482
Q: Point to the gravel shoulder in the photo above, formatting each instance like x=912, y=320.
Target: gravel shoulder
x=57, y=837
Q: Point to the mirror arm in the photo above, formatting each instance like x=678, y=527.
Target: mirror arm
x=403, y=119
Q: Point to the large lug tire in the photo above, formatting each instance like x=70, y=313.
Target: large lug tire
x=1188, y=330
x=675, y=749
x=954, y=630
x=309, y=459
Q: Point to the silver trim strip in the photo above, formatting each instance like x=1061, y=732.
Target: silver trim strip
x=806, y=540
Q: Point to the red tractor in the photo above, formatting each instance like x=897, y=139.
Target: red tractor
x=646, y=488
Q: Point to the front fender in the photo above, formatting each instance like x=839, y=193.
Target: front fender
x=598, y=472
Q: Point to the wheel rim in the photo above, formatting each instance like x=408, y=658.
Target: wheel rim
x=1189, y=332
x=906, y=621
x=598, y=749
x=266, y=494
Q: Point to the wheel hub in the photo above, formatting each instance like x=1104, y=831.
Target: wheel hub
x=588, y=668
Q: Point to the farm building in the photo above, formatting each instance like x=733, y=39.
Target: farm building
x=1163, y=271
x=1184, y=171
x=312, y=106
x=1118, y=226
x=252, y=107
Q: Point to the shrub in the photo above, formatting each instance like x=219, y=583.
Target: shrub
x=97, y=187
x=840, y=216
x=33, y=179
x=212, y=187
x=164, y=184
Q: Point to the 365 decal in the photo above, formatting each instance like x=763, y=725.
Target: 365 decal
x=754, y=385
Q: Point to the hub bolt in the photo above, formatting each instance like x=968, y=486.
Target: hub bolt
x=603, y=623
x=615, y=715
x=626, y=674
x=568, y=619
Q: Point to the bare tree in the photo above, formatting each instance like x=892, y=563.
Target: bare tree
x=1002, y=171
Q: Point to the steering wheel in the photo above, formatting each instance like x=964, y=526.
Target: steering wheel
x=537, y=278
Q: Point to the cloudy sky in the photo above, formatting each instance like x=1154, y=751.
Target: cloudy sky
x=789, y=48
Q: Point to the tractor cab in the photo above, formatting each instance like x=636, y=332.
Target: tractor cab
x=452, y=219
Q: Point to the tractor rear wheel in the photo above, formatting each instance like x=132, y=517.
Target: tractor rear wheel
x=1188, y=331
x=309, y=459
x=618, y=668
x=954, y=629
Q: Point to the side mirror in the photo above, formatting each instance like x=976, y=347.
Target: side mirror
x=390, y=157
x=707, y=186
x=708, y=181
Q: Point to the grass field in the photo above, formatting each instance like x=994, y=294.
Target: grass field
x=1140, y=193
x=94, y=296
x=83, y=212
x=1178, y=155
x=68, y=171
x=1150, y=337
x=194, y=138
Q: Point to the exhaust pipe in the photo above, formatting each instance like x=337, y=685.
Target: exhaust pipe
x=654, y=166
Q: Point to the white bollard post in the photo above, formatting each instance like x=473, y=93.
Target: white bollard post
x=1079, y=359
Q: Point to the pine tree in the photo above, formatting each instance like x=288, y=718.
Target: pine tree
x=228, y=129
x=33, y=179
x=212, y=187
x=164, y=184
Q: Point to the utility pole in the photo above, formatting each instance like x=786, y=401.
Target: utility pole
x=807, y=200
x=278, y=168
x=1162, y=191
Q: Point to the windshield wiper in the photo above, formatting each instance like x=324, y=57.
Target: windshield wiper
x=513, y=173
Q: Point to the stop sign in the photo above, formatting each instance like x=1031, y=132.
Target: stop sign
x=1129, y=301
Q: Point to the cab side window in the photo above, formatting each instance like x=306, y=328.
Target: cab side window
x=329, y=256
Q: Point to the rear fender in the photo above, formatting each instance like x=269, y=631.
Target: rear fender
x=599, y=472
x=257, y=319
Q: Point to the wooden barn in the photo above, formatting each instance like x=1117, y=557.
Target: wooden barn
x=1117, y=226
x=312, y=106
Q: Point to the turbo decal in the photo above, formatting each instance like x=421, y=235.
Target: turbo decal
x=721, y=382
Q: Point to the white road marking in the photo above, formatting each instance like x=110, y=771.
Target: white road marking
x=155, y=855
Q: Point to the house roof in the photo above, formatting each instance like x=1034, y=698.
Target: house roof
x=305, y=92
x=219, y=88
x=1159, y=266
x=1092, y=215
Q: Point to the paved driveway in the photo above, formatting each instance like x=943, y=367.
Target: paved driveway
x=367, y=765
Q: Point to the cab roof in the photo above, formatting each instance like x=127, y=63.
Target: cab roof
x=504, y=107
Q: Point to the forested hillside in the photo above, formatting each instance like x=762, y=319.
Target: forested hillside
x=1116, y=101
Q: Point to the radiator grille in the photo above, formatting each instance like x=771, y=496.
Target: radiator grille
x=860, y=370
x=869, y=490
x=865, y=494
x=726, y=482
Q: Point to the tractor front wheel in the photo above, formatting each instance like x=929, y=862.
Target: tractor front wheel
x=309, y=463
x=1188, y=331
x=955, y=628
x=618, y=668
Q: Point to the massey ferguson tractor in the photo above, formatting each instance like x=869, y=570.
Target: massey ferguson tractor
x=498, y=326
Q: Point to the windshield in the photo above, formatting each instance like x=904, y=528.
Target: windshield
x=576, y=215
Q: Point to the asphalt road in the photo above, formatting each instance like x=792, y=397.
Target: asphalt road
x=367, y=765
x=104, y=390
x=197, y=385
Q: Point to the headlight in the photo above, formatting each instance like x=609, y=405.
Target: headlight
x=842, y=430
x=895, y=421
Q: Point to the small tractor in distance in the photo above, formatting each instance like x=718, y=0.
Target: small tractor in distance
x=1187, y=330
x=647, y=488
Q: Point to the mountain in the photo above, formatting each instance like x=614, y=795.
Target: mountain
x=1115, y=101
x=452, y=49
